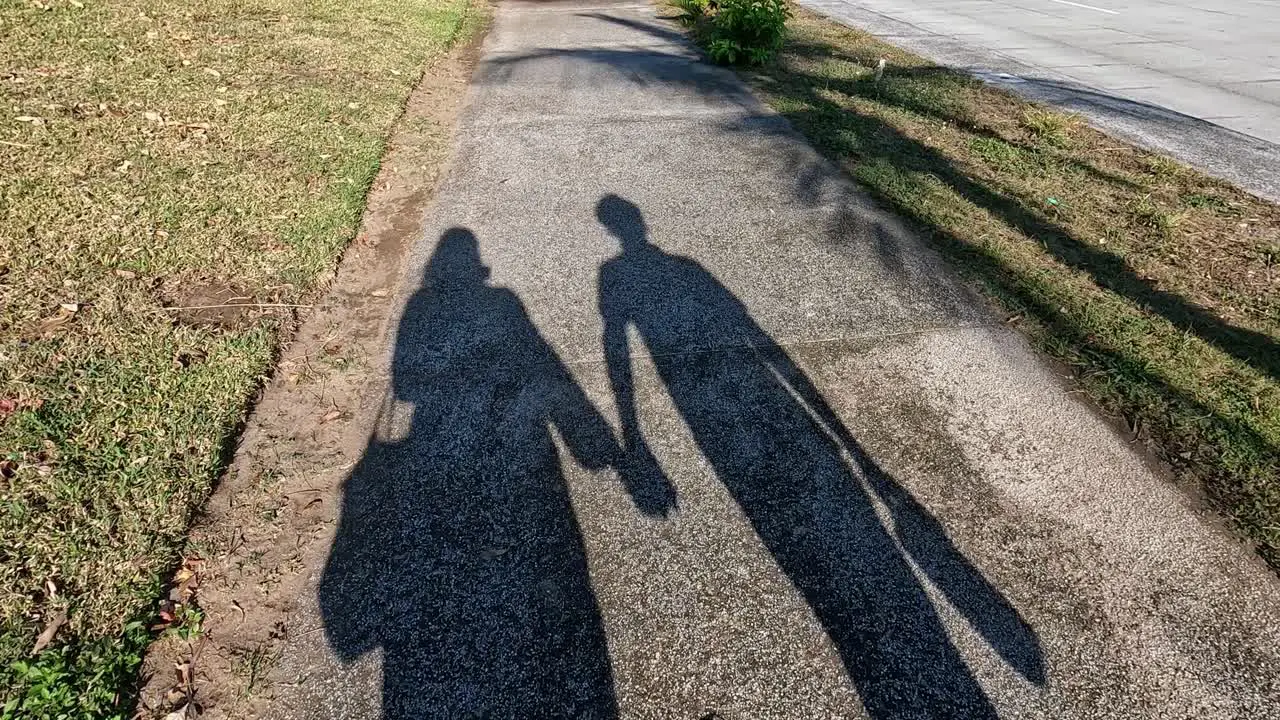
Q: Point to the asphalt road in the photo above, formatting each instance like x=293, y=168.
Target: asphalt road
x=1199, y=79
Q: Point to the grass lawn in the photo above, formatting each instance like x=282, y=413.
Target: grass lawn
x=1158, y=285
x=178, y=178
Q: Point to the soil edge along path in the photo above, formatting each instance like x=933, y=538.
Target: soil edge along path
x=274, y=508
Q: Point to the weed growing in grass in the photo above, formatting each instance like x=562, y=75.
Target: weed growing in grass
x=997, y=153
x=1051, y=127
x=1163, y=168
x=1146, y=213
x=1205, y=201
x=90, y=679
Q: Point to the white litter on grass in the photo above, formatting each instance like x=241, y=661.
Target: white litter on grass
x=997, y=78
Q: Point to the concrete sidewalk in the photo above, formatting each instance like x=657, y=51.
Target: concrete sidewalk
x=680, y=425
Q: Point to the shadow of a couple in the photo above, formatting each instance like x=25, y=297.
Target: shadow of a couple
x=458, y=552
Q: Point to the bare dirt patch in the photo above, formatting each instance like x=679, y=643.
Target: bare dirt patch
x=210, y=304
x=271, y=517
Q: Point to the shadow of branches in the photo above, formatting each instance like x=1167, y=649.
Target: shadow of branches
x=831, y=126
x=1218, y=444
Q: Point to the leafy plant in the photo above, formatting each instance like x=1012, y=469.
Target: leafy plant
x=758, y=25
x=1151, y=215
x=736, y=31
x=759, y=55
x=1163, y=167
x=91, y=679
x=191, y=622
x=724, y=51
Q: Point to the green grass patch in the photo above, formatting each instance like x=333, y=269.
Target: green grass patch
x=1159, y=285
x=1051, y=127
x=161, y=155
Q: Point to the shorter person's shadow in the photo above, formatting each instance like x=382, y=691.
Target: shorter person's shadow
x=804, y=482
x=458, y=552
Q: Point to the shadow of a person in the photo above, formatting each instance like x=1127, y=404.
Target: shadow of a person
x=458, y=551
x=804, y=483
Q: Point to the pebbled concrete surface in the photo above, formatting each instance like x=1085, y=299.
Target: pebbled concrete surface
x=679, y=425
x=1196, y=79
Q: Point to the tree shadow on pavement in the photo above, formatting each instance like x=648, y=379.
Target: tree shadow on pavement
x=826, y=122
x=805, y=483
x=832, y=128
x=458, y=552
x=1227, y=444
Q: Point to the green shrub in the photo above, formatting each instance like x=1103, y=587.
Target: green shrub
x=736, y=31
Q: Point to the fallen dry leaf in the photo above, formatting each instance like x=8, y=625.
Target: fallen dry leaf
x=49, y=326
x=331, y=415
x=188, y=581
x=51, y=629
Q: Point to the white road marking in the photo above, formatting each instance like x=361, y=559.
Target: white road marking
x=1086, y=7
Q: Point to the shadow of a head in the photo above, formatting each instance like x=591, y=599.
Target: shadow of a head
x=623, y=220
x=456, y=261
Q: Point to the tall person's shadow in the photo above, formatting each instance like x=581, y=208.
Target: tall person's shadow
x=458, y=552
x=804, y=482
